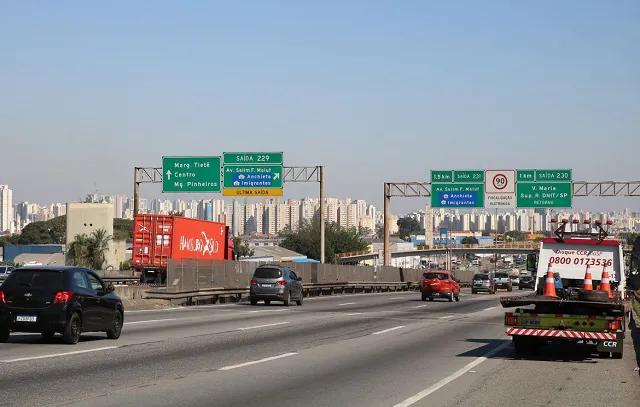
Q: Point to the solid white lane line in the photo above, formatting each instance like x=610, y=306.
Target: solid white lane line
x=397, y=298
x=258, y=361
x=151, y=321
x=426, y=392
x=388, y=330
x=420, y=306
x=55, y=355
x=488, y=309
x=353, y=313
x=261, y=326
x=346, y=303
x=447, y=317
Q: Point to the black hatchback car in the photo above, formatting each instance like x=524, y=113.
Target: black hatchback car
x=59, y=299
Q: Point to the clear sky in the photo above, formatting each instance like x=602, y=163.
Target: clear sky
x=374, y=90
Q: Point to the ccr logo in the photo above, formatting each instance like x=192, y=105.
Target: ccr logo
x=610, y=344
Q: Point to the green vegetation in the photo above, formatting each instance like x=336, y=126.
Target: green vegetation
x=408, y=226
x=241, y=248
x=469, y=240
x=337, y=240
x=53, y=231
x=90, y=251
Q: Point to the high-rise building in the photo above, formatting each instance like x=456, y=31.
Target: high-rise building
x=6, y=209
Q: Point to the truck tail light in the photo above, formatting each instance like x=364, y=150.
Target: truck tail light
x=62, y=297
x=511, y=320
x=615, y=325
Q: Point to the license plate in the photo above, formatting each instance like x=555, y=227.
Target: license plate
x=26, y=318
x=266, y=285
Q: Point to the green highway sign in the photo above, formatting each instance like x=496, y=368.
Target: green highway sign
x=468, y=176
x=252, y=174
x=544, y=194
x=526, y=175
x=457, y=195
x=252, y=158
x=553, y=175
x=191, y=174
x=501, y=189
x=441, y=176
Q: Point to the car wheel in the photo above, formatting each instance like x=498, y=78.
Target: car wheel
x=473, y=291
x=286, y=300
x=300, y=300
x=458, y=298
x=254, y=301
x=4, y=335
x=47, y=335
x=73, y=331
x=451, y=297
x=424, y=296
x=430, y=298
x=116, y=328
x=267, y=302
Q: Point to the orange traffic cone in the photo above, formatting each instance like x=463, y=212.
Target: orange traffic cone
x=604, y=282
x=588, y=283
x=550, y=284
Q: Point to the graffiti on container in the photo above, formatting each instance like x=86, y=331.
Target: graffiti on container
x=203, y=245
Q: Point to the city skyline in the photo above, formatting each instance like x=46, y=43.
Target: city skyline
x=270, y=215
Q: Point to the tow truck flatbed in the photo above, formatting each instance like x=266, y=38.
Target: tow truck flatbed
x=533, y=299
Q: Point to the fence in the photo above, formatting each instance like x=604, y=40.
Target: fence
x=192, y=274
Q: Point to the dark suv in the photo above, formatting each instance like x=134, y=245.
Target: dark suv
x=59, y=299
x=275, y=283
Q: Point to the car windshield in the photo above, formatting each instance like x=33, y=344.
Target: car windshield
x=35, y=278
x=483, y=277
x=267, y=272
x=502, y=275
x=439, y=276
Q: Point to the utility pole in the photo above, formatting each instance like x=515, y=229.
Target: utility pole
x=387, y=214
x=322, y=206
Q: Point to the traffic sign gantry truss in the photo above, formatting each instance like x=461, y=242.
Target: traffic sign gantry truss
x=153, y=175
x=423, y=189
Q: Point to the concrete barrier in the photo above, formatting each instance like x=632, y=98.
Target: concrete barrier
x=136, y=298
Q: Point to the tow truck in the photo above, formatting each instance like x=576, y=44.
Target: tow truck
x=579, y=293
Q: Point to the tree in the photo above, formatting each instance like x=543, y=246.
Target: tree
x=337, y=240
x=241, y=247
x=408, y=226
x=365, y=231
x=469, y=240
x=90, y=251
x=516, y=235
x=54, y=231
x=123, y=229
x=126, y=265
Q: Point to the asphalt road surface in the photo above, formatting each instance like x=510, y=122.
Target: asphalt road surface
x=387, y=350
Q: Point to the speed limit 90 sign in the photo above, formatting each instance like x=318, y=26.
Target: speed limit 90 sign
x=500, y=181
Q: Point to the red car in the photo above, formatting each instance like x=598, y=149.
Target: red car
x=439, y=284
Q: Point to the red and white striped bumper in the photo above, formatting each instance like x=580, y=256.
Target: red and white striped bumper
x=554, y=333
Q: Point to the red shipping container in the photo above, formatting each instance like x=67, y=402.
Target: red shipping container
x=157, y=238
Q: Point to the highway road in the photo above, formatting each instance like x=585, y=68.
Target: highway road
x=387, y=350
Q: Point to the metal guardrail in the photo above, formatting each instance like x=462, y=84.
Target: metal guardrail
x=513, y=245
x=308, y=290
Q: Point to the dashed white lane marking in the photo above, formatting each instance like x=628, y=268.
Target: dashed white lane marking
x=261, y=326
x=258, y=361
x=388, y=330
x=397, y=298
x=149, y=321
x=488, y=309
x=353, y=313
x=426, y=392
x=55, y=355
x=268, y=310
x=346, y=303
x=419, y=306
x=447, y=317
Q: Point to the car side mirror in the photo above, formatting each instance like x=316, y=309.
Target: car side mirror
x=110, y=288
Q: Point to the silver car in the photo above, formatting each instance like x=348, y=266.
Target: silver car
x=275, y=283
